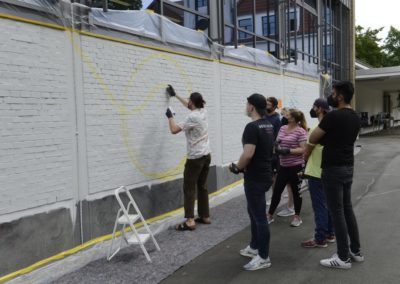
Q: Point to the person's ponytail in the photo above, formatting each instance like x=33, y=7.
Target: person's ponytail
x=299, y=118
x=303, y=122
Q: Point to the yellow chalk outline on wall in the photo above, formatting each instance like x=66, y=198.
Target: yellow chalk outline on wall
x=144, y=61
x=123, y=111
x=149, y=96
x=134, y=158
x=146, y=99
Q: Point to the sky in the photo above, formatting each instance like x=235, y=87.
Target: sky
x=376, y=14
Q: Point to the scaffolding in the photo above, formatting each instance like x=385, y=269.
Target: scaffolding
x=295, y=32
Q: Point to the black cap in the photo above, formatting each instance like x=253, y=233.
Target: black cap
x=322, y=103
x=258, y=101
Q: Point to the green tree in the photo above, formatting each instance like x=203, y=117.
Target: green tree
x=392, y=48
x=367, y=46
x=120, y=4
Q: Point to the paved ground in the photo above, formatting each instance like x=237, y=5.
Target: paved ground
x=210, y=254
x=376, y=196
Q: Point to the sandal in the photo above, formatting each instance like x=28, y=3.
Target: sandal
x=184, y=227
x=202, y=221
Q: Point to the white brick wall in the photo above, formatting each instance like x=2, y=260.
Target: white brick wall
x=36, y=130
x=300, y=94
x=238, y=84
x=136, y=78
x=37, y=156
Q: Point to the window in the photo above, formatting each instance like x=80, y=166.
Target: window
x=292, y=21
x=201, y=3
x=268, y=25
x=328, y=16
x=312, y=3
x=246, y=24
x=292, y=54
x=327, y=51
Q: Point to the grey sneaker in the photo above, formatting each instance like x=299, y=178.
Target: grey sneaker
x=357, y=257
x=336, y=262
x=286, y=212
x=248, y=251
x=258, y=263
x=296, y=221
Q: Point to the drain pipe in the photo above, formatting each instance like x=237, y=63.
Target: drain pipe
x=105, y=5
x=76, y=133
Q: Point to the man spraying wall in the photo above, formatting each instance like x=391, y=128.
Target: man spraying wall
x=198, y=160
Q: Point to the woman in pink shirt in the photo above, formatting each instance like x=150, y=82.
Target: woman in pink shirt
x=290, y=145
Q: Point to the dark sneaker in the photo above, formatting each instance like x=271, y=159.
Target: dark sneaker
x=314, y=244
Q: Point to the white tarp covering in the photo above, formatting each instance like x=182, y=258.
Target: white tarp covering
x=303, y=67
x=41, y=5
x=151, y=25
x=138, y=22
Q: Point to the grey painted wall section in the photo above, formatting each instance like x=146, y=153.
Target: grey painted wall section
x=29, y=239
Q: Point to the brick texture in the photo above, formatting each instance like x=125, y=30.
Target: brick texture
x=125, y=128
x=36, y=164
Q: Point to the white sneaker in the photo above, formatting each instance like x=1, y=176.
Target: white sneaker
x=357, y=257
x=286, y=212
x=258, y=263
x=296, y=221
x=270, y=220
x=336, y=262
x=248, y=251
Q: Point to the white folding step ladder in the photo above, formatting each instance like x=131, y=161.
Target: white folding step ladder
x=124, y=219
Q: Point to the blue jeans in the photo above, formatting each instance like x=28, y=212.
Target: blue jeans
x=337, y=182
x=256, y=207
x=323, y=223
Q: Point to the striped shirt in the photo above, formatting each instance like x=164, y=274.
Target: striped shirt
x=291, y=140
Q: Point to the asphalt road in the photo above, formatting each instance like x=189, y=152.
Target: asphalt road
x=210, y=253
x=376, y=197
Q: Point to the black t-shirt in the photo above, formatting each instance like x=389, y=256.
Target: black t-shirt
x=342, y=127
x=259, y=133
x=275, y=120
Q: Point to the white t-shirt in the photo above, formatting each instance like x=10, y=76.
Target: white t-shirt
x=195, y=127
